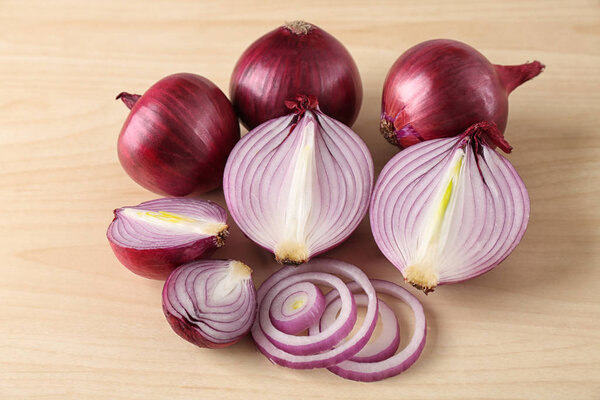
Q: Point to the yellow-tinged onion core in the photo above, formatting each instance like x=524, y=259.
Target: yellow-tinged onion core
x=422, y=271
x=173, y=221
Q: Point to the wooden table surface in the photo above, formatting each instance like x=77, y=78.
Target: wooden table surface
x=75, y=324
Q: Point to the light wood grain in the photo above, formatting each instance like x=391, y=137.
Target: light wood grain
x=75, y=324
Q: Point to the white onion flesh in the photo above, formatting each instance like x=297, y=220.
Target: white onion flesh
x=443, y=212
x=299, y=185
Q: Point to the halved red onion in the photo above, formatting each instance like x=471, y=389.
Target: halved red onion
x=370, y=371
x=156, y=236
x=299, y=185
x=297, y=308
x=210, y=303
x=448, y=210
x=311, y=351
x=377, y=349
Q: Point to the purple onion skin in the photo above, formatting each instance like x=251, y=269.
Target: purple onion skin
x=283, y=64
x=188, y=333
x=440, y=87
x=178, y=135
x=159, y=263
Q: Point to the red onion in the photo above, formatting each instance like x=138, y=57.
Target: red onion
x=441, y=87
x=210, y=303
x=299, y=185
x=315, y=351
x=154, y=237
x=178, y=135
x=448, y=210
x=295, y=58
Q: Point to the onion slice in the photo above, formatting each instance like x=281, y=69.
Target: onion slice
x=448, y=210
x=378, y=349
x=394, y=365
x=154, y=237
x=210, y=303
x=321, y=271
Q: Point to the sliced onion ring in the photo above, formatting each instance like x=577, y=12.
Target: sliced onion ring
x=383, y=346
x=375, y=371
x=321, y=270
x=298, y=307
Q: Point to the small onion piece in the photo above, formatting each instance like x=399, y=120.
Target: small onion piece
x=154, y=237
x=394, y=365
x=210, y=303
x=295, y=58
x=440, y=87
x=300, y=184
x=178, y=135
x=321, y=271
x=297, y=308
x=383, y=346
x=448, y=210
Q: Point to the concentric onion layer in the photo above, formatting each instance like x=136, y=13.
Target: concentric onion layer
x=448, y=210
x=315, y=351
x=210, y=303
x=299, y=189
x=156, y=236
x=377, y=349
x=297, y=308
x=376, y=370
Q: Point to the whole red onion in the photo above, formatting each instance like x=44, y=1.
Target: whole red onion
x=296, y=58
x=178, y=135
x=441, y=87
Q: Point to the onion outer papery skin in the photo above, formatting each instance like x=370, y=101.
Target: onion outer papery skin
x=177, y=136
x=154, y=249
x=297, y=58
x=299, y=188
x=394, y=365
x=319, y=268
x=210, y=303
x=485, y=211
x=440, y=87
x=378, y=349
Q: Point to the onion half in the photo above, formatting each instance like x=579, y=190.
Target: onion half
x=448, y=210
x=210, y=303
x=300, y=184
x=154, y=237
